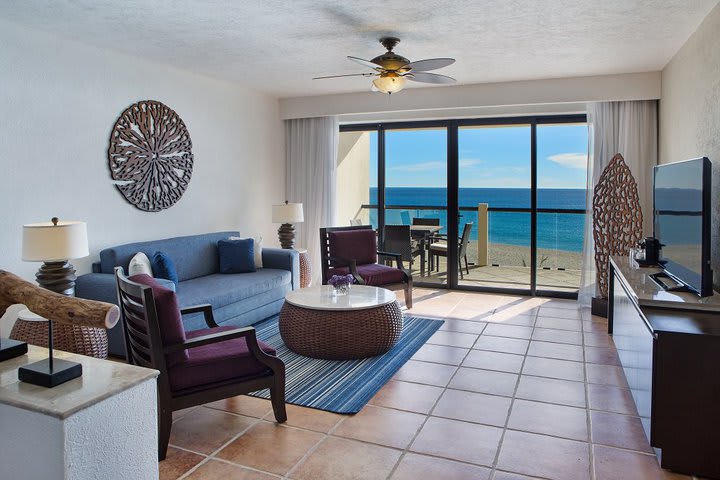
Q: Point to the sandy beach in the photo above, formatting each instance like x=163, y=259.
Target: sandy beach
x=513, y=255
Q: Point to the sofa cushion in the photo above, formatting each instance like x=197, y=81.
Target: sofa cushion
x=164, y=267
x=358, y=245
x=194, y=256
x=373, y=274
x=217, y=362
x=221, y=290
x=257, y=248
x=236, y=256
x=169, y=317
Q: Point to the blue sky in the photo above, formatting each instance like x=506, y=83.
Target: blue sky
x=490, y=157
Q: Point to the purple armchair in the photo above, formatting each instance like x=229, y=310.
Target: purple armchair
x=353, y=250
x=195, y=367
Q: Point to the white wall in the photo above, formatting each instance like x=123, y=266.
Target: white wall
x=58, y=103
x=352, y=177
x=690, y=111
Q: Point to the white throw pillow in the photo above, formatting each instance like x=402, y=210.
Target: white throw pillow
x=257, y=249
x=140, y=263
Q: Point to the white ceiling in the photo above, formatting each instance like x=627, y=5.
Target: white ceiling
x=278, y=46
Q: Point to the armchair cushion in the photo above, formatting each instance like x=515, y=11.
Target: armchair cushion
x=218, y=362
x=374, y=274
x=169, y=317
x=358, y=245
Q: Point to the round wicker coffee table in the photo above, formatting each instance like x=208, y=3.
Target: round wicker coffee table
x=316, y=323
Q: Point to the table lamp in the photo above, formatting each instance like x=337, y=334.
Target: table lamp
x=287, y=214
x=53, y=243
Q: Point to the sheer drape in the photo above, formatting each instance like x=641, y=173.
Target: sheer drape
x=628, y=128
x=310, y=159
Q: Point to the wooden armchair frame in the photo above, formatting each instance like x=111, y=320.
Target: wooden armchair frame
x=145, y=349
x=328, y=261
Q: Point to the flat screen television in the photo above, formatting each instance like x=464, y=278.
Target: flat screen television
x=681, y=222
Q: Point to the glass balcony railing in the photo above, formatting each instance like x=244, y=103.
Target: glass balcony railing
x=499, y=251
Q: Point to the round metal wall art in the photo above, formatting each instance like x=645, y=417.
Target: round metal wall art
x=150, y=156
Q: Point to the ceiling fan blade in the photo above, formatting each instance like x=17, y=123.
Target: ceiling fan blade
x=366, y=63
x=425, y=77
x=430, y=64
x=348, y=75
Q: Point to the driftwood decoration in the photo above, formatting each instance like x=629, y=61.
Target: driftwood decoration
x=617, y=217
x=60, y=308
x=150, y=155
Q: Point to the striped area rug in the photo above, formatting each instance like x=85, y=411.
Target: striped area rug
x=343, y=386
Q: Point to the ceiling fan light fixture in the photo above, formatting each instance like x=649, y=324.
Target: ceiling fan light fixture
x=389, y=82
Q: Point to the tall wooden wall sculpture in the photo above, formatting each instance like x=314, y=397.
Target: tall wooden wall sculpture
x=617, y=217
x=150, y=154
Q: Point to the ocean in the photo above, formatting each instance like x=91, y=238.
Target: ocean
x=555, y=231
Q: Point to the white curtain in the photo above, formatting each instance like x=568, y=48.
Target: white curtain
x=310, y=159
x=630, y=129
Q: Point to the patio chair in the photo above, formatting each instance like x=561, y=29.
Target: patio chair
x=353, y=250
x=397, y=238
x=196, y=367
x=440, y=249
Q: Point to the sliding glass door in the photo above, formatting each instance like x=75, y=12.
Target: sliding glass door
x=416, y=193
x=494, y=197
x=561, y=193
x=514, y=187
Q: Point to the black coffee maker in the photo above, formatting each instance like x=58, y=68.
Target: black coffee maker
x=652, y=248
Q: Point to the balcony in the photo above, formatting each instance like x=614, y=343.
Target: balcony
x=498, y=252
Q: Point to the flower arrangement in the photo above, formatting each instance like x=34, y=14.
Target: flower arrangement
x=341, y=283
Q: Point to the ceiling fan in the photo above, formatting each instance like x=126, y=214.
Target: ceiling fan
x=392, y=70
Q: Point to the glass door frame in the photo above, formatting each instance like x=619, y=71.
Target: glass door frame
x=453, y=171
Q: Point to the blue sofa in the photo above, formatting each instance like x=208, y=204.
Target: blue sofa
x=238, y=299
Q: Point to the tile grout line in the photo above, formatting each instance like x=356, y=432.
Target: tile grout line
x=428, y=415
x=211, y=455
x=591, y=449
x=512, y=401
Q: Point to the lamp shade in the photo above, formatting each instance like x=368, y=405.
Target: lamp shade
x=288, y=213
x=50, y=242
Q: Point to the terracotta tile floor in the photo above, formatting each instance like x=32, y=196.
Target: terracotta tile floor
x=511, y=388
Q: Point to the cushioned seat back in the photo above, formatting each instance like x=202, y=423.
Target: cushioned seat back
x=169, y=318
x=194, y=256
x=358, y=245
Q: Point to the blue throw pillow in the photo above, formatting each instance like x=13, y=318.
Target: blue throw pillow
x=236, y=256
x=163, y=267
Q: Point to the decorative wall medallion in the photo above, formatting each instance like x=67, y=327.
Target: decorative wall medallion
x=617, y=217
x=150, y=155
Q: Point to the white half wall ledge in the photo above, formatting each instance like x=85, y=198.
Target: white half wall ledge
x=628, y=86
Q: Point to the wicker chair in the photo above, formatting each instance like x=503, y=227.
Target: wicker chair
x=397, y=238
x=353, y=250
x=440, y=249
x=200, y=367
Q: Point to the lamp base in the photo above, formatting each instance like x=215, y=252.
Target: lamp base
x=40, y=373
x=58, y=277
x=11, y=349
x=286, y=234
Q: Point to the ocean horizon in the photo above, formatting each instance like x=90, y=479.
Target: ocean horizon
x=554, y=231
